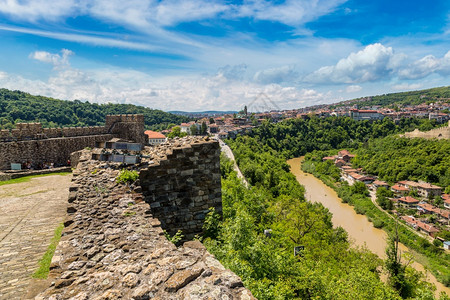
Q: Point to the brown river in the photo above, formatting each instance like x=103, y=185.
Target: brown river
x=359, y=229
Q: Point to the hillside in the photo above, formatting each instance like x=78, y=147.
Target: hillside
x=403, y=98
x=17, y=106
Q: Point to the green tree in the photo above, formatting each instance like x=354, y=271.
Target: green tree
x=204, y=128
x=176, y=132
x=193, y=129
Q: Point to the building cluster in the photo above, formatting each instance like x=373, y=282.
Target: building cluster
x=438, y=111
x=412, y=200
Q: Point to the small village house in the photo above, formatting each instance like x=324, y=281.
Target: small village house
x=155, y=138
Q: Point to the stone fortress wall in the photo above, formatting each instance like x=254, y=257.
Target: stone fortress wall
x=183, y=184
x=438, y=133
x=113, y=245
x=29, y=142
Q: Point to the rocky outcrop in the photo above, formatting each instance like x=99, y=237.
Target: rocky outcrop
x=114, y=248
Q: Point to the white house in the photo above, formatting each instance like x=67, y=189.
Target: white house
x=155, y=138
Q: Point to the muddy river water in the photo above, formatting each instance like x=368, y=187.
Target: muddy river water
x=359, y=229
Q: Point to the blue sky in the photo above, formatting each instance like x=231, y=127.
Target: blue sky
x=220, y=55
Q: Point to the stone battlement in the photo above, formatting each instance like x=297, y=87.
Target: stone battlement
x=29, y=142
x=113, y=245
x=438, y=133
x=34, y=131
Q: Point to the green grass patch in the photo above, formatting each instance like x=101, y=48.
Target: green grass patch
x=28, y=178
x=44, y=263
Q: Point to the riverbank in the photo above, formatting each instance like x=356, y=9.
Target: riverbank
x=360, y=230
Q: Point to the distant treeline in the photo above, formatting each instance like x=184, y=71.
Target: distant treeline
x=404, y=98
x=17, y=107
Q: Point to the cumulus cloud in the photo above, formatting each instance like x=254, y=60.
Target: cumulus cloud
x=426, y=66
x=168, y=93
x=373, y=63
x=57, y=60
x=276, y=75
x=353, y=88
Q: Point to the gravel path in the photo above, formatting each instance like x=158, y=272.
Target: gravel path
x=29, y=214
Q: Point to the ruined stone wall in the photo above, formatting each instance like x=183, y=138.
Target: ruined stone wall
x=49, y=150
x=184, y=184
x=438, y=133
x=31, y=142
x=113, y=247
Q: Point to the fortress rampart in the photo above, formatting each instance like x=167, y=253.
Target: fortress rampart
x=29, y=142
x=113, y=245
x=437, y=133
x=183, y=185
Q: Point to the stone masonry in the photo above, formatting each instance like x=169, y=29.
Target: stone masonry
x=113, y=247
x=183, y=184
x=29, y=142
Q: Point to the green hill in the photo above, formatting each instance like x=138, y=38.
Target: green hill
x=17, y=107
x=404, y=98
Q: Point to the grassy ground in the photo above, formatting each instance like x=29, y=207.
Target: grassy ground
x=28, y=178
x=44, y=263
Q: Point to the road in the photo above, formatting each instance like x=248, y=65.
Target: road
x=227, y=150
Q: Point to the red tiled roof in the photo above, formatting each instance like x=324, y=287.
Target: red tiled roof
x=408, y=199
x=409, y=183
x=154, y=135
x=328, y=158
x=429, y=186
x=379, y=182
x=427, y=227
x=399, y=188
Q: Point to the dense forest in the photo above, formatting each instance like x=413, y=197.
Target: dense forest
x=403, y=98
x=394, y=159
x=296, y=137
x=17, y=106
x=261, y=226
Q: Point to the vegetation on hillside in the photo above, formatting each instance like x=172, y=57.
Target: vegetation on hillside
x=296, y=137
x=327, y=267
x=403, y=98
x=394, y=159
x=17, y=107
x=356, y=195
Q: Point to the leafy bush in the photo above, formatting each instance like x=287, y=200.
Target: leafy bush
x=126, y=176
x=176, y=238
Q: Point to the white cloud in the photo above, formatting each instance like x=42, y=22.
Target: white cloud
x=142, y=14
x=373, y=63
x=55, y=59
x=236, y=72
x=290, y=12
x=88, y=39
x=353, y=88
x=276, y=75
x=219, y=91
x=406, y=86
x=426, y=66
x=32, y=10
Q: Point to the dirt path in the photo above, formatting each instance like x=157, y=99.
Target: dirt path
x=29, y=214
